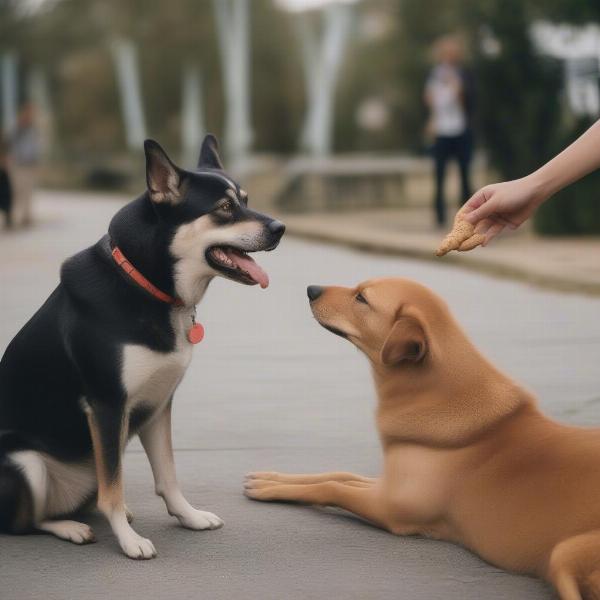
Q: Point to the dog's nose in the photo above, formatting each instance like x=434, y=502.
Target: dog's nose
x=277, y=228
x=313, y=292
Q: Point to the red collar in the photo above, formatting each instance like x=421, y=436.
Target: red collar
x=195, y=333
x=120, y=259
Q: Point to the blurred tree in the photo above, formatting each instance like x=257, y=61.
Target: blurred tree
x=168, y=37
x=388, y=66
x=578, y=12
x=519, y=109
x=576, y=209
x=277, y=83
x=522, y=114
x=377, y=41
x=379, y=98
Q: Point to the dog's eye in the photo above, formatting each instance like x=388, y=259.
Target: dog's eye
x=360, y=298
x=226, y=206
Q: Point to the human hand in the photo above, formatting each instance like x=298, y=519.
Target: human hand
x=489, y=211
x=502, y=205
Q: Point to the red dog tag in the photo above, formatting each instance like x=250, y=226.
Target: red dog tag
x=195, y=334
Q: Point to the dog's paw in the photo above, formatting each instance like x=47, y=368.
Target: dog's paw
x=199, y=520
x=80, y=533
x=72, y=531
x=137, y=547
x=260, y=489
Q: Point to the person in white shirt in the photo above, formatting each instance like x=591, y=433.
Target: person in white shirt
x=449, y=97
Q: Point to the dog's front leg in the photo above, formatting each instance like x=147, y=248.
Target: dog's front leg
x=109, y=427
x=296, y=478
x=156, y=439
x=361, y=498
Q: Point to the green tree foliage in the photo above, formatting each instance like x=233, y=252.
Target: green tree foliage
x=519, y=108
x=576, y=209
x=277, y=79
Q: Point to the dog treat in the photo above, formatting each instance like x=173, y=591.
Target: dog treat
x=475, y=240
x=461, y=232
x=461, y=238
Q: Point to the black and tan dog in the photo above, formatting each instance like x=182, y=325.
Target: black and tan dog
x=101, y=359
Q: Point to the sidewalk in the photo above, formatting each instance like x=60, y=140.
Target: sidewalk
x=568, y=264
x=269, y=389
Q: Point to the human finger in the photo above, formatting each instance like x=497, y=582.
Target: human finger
x=492, y=232
x=479, y=207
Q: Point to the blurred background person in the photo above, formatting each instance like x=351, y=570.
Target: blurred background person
x=5, y=187
x=25, y=151
x=449, y=98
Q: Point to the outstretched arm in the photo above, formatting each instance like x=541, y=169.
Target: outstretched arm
x=511, y=203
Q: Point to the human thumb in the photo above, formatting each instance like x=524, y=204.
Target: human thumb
x=478, y=207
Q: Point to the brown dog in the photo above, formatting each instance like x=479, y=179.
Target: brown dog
x=468, y=457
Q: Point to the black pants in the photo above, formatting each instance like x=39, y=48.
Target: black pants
x=5, y=195
x=445, y=148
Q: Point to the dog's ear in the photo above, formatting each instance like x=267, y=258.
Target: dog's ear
x=163, y=178
x=209, y=153
x=405, y=342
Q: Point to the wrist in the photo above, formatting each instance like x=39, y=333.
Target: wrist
x=542, y=186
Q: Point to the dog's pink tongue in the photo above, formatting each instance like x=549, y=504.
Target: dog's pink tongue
x=246, y=263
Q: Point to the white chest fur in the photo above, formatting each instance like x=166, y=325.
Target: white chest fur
x=150, y=377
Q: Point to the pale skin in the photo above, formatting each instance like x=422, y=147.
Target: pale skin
x=509, y=204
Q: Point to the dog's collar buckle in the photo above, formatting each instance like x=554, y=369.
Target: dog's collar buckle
x=195, y=333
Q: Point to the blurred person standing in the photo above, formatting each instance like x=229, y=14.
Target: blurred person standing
x=449, y=96
x=5, y=186
x=25, y=153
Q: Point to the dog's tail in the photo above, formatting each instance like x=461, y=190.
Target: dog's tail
x=574, y=567
x=16, y=502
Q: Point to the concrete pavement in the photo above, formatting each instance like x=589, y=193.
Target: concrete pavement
x=269, y=389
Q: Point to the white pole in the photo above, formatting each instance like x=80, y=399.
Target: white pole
x=10, y=91
x=125, y=58
x=322, y=63
x=192, y=110
x=40, y=96
x=233, y=20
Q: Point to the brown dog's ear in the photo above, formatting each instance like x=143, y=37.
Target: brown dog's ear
x=405, y=342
